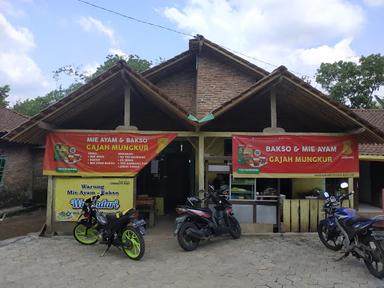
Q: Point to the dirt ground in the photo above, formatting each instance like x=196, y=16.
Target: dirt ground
x=22, y=224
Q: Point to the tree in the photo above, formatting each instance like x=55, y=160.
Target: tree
x=353, y=84
x=133, y=61
x=33, y=106
x=4, y=93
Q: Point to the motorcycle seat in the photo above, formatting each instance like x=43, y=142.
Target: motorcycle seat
x=357, y=219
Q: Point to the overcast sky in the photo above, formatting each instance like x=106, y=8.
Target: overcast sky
x=39, y=36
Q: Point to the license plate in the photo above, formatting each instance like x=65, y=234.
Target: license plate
x=142, y=230
x=139, y=224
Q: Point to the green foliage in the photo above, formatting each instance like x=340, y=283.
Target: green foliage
x=33, y=106
x=133, y=61
x=4, y=93
x=353, y=84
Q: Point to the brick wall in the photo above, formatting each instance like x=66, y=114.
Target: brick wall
x=39, y=182
x=181, y=86
x=218, y=82
x=17, y=179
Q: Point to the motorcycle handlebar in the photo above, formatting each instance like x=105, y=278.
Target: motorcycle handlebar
x=345, y=196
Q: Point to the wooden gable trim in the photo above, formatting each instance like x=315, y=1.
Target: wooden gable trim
x=99, y=81
x=379, y=135
x=163, y=67
x=195, y=48
x=272, y=79
x=61, y=104
x=234, y=58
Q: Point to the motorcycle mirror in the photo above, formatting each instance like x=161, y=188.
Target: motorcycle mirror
x=326, y=194
x=344, y=185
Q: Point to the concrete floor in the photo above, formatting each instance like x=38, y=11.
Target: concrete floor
x=252, y=261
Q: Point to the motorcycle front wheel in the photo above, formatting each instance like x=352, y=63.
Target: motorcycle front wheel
x=186, y=242
x=133, y=243
x=235, y=229
x=375, y=264
x=328, y=238
x=85, y=236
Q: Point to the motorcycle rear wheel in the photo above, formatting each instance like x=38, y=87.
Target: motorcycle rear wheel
x=376, y=264
x=133, y=237
x=186, y=242
x=85, y=236
x=330, y=243
x=235, y=229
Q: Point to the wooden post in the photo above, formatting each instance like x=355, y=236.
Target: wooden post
x=287, y=215
x=127, y=105
x=200, y=163
x=382, y=199
x=50, y=211
x=273, y=102
x=273, y=109
x=127, y=109
x=350, y=189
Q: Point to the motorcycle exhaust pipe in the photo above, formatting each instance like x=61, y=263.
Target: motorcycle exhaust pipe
x=197, y=234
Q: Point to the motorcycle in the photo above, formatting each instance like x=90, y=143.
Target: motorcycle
x=344, y=229
x=123, y=229
x=195, y=224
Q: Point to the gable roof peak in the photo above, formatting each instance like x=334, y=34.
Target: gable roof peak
x=199, y=42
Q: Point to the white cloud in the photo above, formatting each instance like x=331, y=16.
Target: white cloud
x=19, y=39
x=327, y=54
x=90, y=68
x=17, y=68
x=89, y=24
x=374, y=3
x=7, y=8
x=294, y=33
x=117, y=51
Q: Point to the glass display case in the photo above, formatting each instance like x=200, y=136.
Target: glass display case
x=242, y=189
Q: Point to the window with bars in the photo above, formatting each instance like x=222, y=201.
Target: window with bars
x=2, y=168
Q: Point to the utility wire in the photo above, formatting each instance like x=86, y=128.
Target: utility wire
x=134, y=19
x=182, y=33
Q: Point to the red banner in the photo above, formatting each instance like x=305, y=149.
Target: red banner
x=288, y=156
x=101, y=153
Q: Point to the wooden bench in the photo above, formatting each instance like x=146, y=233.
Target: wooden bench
x=146, y=205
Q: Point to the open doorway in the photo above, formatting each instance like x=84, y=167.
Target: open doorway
x=170, y=177
x=371, y=185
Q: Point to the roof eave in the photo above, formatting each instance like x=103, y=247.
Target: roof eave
x=377, y=133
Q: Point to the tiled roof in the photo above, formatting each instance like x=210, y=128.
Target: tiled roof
x=373, y=116
x=10, y=119
x=376, y=118
x=121, y=72
x=371, y=149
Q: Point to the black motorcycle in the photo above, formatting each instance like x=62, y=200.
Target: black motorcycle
x=195, y=223
x=122, y=229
